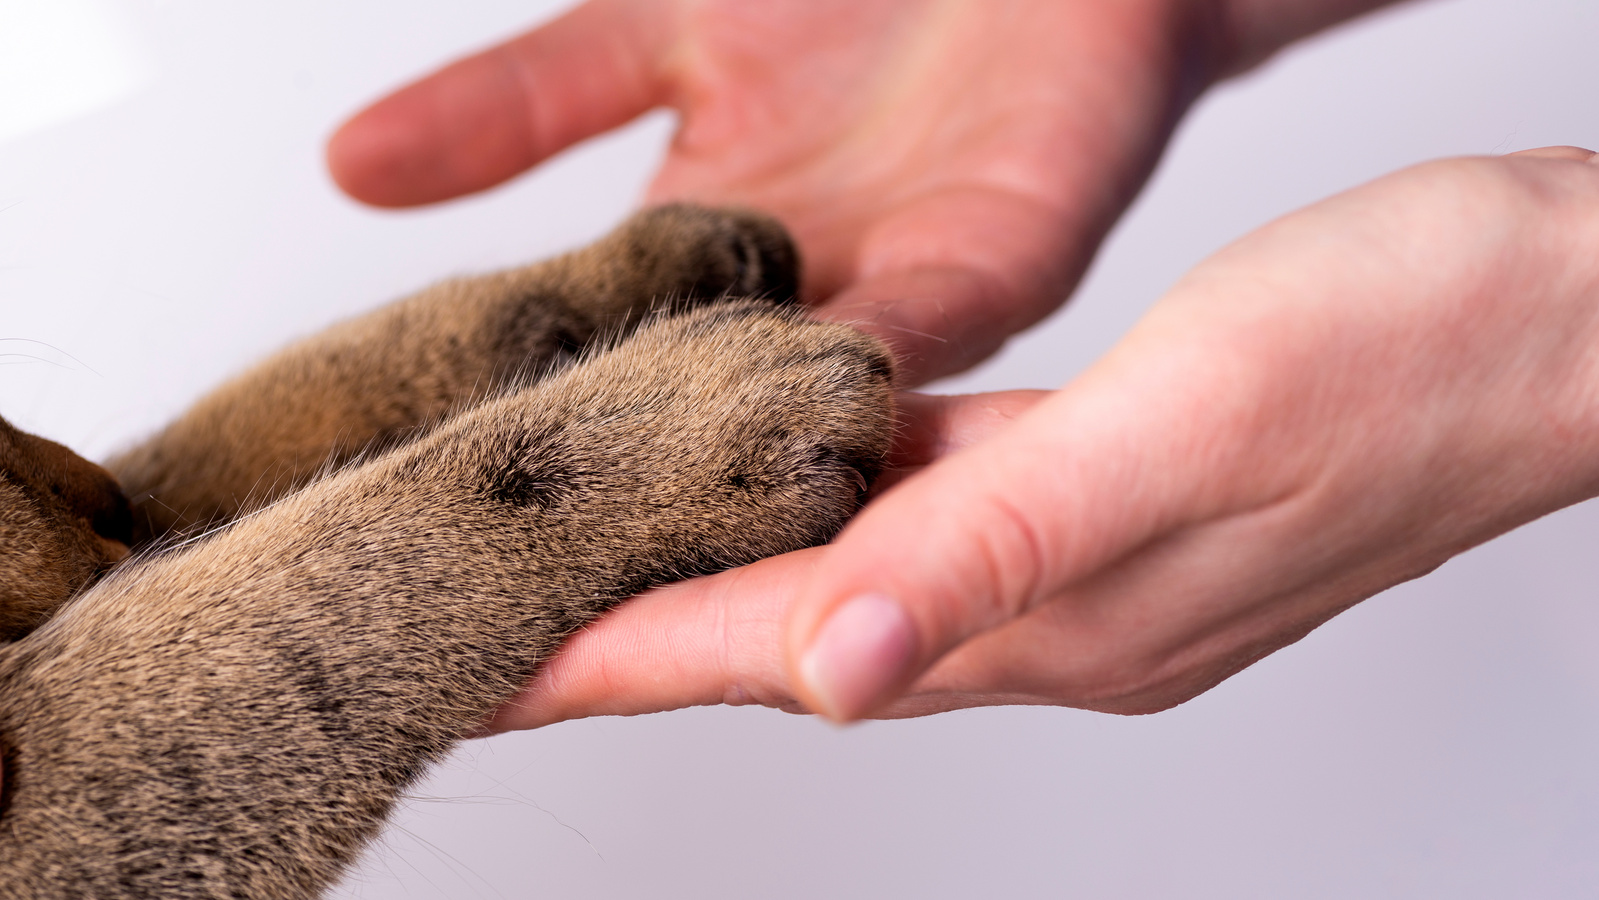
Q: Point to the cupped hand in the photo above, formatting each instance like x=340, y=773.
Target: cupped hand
x=1333, y=405
x=948, y=169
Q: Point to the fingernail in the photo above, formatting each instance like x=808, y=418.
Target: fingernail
x=857, y=655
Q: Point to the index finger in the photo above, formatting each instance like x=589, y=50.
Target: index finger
x=486, y=118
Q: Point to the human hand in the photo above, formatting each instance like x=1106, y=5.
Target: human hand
x=1333, y=405
x=948, y=169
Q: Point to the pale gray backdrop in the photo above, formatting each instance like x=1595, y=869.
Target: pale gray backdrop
x=164, y=218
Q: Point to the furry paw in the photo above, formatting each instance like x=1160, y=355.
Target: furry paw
x=720, y=252
x=677, y=255
x=707, y=440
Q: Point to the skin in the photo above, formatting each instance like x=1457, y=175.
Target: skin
x=947, y=168
x=1284, y=435
x=1334, y=405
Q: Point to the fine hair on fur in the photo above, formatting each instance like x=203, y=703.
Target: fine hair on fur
x=345, y=558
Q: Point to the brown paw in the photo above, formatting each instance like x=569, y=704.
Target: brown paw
x=707, y=440
x=678, y=255
x=63, y=520
x=728, y=252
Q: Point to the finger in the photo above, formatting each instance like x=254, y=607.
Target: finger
x=483, y=119
x=955, y=554
x=1577, y=154
x=944, y=280
x=1187, y=445
x=718, y=639
x=1046, y=657
x=1172, y=619
x=929, y=427
x=1074, y=484
x=715, y=639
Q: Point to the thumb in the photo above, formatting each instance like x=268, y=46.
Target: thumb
x=946, y=555
x=483, y=119
x=1081, y=480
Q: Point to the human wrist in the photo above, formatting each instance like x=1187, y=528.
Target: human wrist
x=1247, y=32
x=1198, y=43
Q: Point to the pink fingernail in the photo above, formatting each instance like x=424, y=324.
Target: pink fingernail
x=857, y=655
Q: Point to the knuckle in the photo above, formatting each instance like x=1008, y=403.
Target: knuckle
x=1011, y=552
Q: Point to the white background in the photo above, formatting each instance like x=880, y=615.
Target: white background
x=165, y=218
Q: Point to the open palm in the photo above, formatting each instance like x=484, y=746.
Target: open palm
x=947, y=168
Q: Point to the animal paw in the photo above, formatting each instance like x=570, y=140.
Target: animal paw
x=679, y=254
x=707, y=440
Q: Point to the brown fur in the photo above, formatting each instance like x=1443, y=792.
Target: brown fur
x=63, y=520
x=235, y=717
